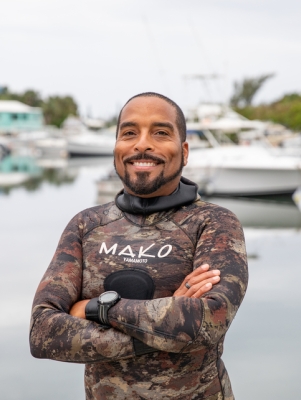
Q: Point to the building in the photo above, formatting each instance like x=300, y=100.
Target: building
x=18, y=117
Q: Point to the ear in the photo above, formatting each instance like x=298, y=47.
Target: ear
x=185, y=149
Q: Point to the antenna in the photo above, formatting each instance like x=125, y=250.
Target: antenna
x=204, y=78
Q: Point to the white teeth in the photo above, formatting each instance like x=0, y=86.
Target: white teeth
x=144, y=164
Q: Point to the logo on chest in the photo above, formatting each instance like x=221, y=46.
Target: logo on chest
x=141, y=256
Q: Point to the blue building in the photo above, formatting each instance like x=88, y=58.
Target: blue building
x=18, y=117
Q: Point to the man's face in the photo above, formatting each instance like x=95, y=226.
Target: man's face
x=149, y=155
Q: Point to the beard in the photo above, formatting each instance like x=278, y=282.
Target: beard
x=141, y=184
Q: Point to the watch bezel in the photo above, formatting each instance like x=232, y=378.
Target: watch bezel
x=103, y=307
x=108, y=302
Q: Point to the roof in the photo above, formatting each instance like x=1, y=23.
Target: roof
x=14, y=106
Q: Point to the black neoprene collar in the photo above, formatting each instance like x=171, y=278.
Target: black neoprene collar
x=185, y=194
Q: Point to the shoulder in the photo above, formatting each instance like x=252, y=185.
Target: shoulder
x=201, y=209
x=92, y=217
x=202, y=213
x=213, y=210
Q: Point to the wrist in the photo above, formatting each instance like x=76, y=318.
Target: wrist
x=78, y=309
x=97, y=308
x=105, y=301
x=91, y=310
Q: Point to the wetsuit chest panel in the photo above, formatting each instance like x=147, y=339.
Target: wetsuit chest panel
x=165, y=254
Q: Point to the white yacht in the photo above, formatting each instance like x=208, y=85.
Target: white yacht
x=243, y=171
x=91, y=144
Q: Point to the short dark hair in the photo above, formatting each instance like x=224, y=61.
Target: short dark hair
x=180, y=118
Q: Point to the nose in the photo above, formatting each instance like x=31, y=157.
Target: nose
x=144, y=143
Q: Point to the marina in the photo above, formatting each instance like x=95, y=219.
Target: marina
x=252, y=168
x=67, y=69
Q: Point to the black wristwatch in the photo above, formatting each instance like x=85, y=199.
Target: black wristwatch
x=105, y=301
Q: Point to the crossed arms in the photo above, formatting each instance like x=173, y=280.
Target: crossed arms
x=187, y=321
x=200, y=281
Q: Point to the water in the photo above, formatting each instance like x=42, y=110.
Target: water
x=262, y=349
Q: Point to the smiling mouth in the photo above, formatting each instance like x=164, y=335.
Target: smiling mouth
x=144, y=164
x=144, y=160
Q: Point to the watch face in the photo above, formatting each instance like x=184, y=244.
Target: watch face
x=108, y=297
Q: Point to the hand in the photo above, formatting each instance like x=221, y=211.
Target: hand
x=200, y=281
x=78, y=309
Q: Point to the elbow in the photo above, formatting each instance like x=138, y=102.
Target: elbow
x=35, y=345
x=35, y=352
x=36, y=341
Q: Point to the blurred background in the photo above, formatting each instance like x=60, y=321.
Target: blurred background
x=66, y=69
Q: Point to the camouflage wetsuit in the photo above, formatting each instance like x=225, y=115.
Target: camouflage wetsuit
x=188, y=333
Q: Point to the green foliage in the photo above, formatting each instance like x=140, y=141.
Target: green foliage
x=55, y=108
x=32, y=98
x=29, y=97
x=285, y=111
x=245, y=91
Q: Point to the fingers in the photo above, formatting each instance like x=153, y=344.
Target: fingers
x=198, y=271
x=204, y=276
x=205, y=288
x=198, y=275
x=198, y=289
x=198, y=283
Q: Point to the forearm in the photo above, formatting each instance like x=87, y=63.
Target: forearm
x=175, y=324
x=59, y=336
x=168, y=324
x=88, y=309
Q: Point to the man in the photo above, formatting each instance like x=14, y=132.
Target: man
x=152, y=247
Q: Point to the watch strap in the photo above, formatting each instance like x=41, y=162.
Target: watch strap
x=103, y=313
x=91, y=310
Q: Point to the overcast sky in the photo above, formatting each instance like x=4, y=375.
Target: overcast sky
x=102, y=52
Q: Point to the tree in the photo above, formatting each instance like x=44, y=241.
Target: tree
x=285, y=111
x=245, y=91
x=31, y=98
x=56, y=109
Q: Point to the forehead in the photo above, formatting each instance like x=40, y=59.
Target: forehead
x=149, y=108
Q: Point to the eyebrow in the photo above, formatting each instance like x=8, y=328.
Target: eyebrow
x=127, y=125
x=163, y=125
x=130, y=124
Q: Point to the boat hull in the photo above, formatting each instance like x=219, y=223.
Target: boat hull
x=243, y=172
x=91, y=145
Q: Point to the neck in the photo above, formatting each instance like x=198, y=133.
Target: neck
x=185, y=193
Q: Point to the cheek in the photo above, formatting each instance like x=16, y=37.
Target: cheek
x=118, y=163
x=176, y=158
x=119, y=166
x=118, y=154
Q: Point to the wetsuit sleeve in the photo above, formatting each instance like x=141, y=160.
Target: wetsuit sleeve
x=181, y=324
x=55, y=334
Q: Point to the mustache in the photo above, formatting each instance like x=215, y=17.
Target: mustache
x=144, y=156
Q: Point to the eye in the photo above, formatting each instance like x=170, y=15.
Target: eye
x=128, y=133
x=162, y=133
